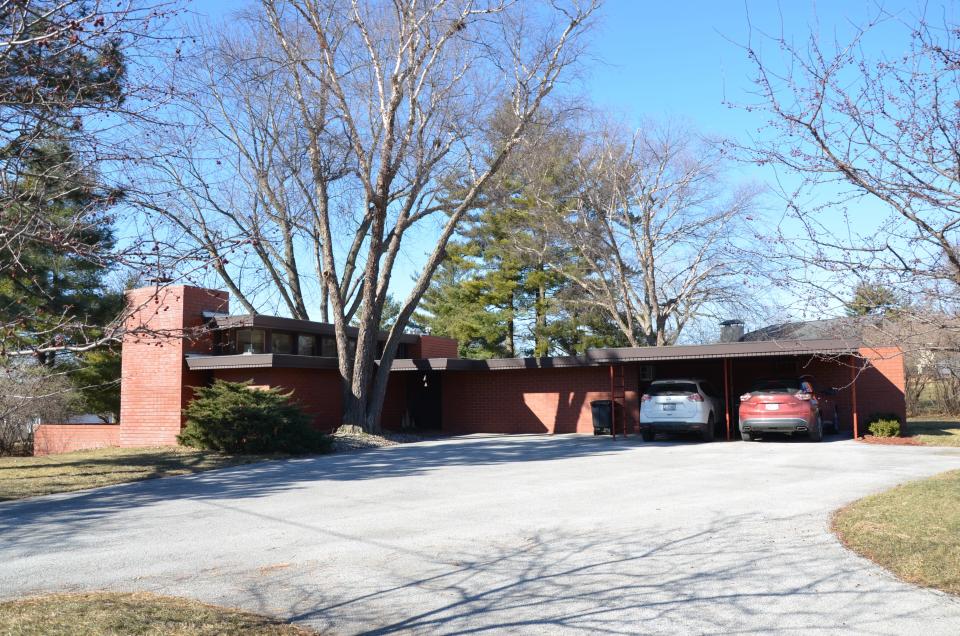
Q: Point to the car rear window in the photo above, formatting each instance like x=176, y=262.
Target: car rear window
x=776, y=386
x=672, y=388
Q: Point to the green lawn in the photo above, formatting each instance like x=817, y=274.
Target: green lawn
x=934, y=432
x=31, y=476
x=912, y=530
x=102, y=613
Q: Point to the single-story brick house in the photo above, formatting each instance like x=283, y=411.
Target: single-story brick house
x=182, y=336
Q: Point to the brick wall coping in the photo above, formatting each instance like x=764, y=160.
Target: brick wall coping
x=79, y=424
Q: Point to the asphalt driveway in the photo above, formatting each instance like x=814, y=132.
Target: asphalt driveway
x=517, y=534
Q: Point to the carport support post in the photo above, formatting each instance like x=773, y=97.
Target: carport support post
x=613, y=408
x=854, y=366
x=726, y=392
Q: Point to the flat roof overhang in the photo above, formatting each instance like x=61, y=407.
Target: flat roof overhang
x=604, y=357
x=592, y=358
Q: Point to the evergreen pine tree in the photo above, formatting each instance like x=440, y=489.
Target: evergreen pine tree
x=52, y=294
x=495, y=292
x=871, y=299
x=60, y=65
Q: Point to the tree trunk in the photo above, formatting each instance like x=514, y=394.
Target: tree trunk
x=354, y=411
x=376, y=396
x=511, y=329
x=541, y=346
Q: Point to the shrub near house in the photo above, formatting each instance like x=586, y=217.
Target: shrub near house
x=884, y=425
x=232, y=417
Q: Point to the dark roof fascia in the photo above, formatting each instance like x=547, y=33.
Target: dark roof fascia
x=292, y=324
x=592, y=358
x=599, y=357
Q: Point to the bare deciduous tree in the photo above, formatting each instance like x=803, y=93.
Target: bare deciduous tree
x=29, y=394
x=874, y=133
x=656, y=230
x=232, y=176
x=411, y=86
x=376, y=106
x=874, y=139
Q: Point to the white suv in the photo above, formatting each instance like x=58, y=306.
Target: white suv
x=682, y=405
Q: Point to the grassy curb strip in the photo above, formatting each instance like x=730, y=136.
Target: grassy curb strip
x=32, y=476
x=912, y=530
x=99, y=613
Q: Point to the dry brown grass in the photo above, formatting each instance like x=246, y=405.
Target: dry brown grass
x=111, y=613
x=934, y=432
x=31, y=476
x=912, y=530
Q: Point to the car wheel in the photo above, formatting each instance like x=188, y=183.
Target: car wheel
x=746, y=436
x=706, y=434
x=816, y=433
x=648, y=434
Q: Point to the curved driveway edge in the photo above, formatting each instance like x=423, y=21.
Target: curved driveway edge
x=528, y=534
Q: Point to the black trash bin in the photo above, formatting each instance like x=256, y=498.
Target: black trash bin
x=602, y=416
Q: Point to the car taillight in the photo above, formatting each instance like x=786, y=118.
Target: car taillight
x=802, y=395
x=746, y=397
x=645, y=398
x=695, y=397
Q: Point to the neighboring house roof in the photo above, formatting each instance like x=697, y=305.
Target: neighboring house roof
x=844, y=327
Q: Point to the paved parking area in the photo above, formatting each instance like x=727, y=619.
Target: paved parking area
x=528, y=534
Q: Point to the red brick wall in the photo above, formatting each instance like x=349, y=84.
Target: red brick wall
x=434, y=347
x=395, y=401
x=530, y=400
x=154, y=383
x=50, y=439
x=318, y=392
x=881, y=384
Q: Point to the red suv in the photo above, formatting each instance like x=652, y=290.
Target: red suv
x=795, y=405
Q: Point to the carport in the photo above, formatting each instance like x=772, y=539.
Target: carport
x=734, y=367
x=553, y=394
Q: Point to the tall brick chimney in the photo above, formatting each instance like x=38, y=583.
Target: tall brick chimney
x=154, y=380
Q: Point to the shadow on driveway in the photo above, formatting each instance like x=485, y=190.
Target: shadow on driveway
x=57, y=515
x=714, y=578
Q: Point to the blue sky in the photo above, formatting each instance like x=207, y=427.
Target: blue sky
x=683, y=60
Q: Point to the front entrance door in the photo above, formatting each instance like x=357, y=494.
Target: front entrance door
x=424, y=399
